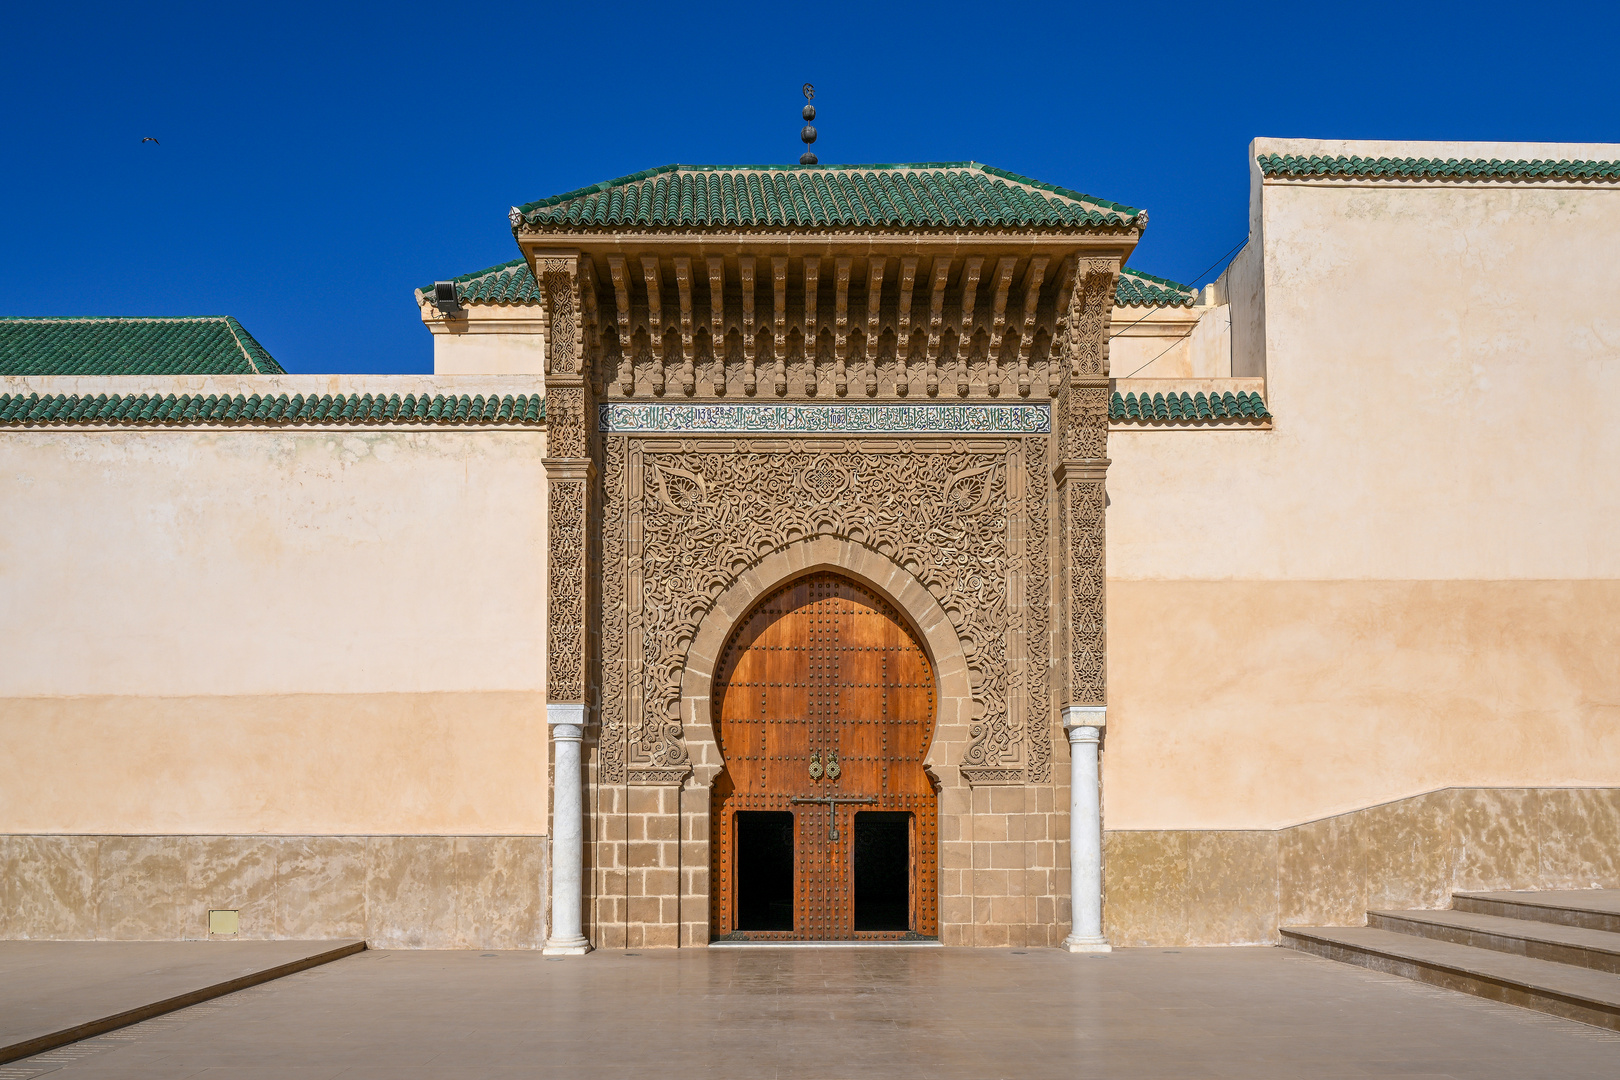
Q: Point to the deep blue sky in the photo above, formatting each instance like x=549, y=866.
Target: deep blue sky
x=317, y=162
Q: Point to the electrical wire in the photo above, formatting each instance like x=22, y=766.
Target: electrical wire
x=1230, y=252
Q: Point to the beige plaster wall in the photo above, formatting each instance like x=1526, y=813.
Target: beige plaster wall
x=488, y=339
x=291, y=631
x=1410, y=581
x=1171, y=343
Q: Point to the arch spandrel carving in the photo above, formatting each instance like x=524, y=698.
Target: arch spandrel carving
x=910, y=598
x=959, y=531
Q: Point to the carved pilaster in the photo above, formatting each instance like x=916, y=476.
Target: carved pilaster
x=569, y=472
x=565, y=637
x=1082, y=407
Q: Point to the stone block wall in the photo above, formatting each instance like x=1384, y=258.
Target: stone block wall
x=1003, y=869
x=1191, y=887
x=400, y=892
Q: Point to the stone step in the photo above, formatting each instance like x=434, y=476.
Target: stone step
x=1596, y=949
x=1592, y=909
x=1575, y=993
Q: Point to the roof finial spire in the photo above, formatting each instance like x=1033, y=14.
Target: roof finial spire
x=808, y=134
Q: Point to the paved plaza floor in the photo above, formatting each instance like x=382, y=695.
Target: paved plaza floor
x=53, y=992
x=827, y=1013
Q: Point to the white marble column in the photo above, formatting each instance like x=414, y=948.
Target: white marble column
x=1084, y=724
x=567, y=723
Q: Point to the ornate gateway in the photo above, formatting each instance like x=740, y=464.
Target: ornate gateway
x=883, y=388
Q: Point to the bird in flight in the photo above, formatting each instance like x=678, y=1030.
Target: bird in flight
x=151, y=140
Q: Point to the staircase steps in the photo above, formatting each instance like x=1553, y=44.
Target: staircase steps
x=1592, y=909
x=1558, y=953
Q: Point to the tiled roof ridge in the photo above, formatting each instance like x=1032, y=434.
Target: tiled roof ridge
x=258, y=359
x=114, y=318
x=426, y=290
x=644, y=174
x=249, y=410
x=841, y=202
x=1153, y=291
x=519, y=261
x=1299, y=165
x=1188, y=408
x=131, y=344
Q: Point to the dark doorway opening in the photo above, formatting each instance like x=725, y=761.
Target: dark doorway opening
x=882, y=870
x=764, y=870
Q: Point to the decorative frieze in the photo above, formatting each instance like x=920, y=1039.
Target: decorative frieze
x=744, y=419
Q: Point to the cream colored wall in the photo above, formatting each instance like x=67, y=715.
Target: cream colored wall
x=1171, y=343
x=295, y=631
x=1411, y=580
x=487, y=339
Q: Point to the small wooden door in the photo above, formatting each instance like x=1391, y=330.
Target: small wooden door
x=825, y=823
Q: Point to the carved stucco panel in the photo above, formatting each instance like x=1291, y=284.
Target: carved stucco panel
x=613, y=659
x=699, y=516
x=565, y=670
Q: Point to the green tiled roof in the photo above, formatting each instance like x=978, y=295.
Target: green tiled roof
x=963, y=194
x=1187, y=407
x=259, y=410
x=132, y=346
x=1137, y=289
x=1436, y=169
x=508, y=283
x=512, y=283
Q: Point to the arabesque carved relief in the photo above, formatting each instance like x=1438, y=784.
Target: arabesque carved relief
x=566, y=423
x=565, y=669
x=611, y=761
x=701, y=512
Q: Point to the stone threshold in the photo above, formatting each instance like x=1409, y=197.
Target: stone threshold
x=825, y=945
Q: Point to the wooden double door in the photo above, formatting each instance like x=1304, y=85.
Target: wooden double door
x=825, y=823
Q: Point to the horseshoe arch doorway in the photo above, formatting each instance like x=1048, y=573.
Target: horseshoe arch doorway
x=825, y=824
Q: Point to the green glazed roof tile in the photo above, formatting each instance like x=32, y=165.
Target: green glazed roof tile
x=1187, y=408
x=131, y=346
x=261, y=410
x=508, y=283
x=1137, y=289
x=1293, y=165
x=956, y=194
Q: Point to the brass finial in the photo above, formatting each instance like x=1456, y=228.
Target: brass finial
x=808, y=133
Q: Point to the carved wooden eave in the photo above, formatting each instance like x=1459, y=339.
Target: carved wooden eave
x=815, y=313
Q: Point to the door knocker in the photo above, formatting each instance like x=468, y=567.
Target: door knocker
x=815, y=766
x=833, y=770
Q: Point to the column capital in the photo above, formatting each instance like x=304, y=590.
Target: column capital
x=565, y=469
x=1079, y=718
x=1081, y=469
x=566, y=721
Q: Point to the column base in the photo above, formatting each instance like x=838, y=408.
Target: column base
x=566, y=947
x=1075, y=943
